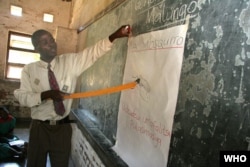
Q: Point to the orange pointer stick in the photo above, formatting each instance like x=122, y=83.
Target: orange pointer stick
x=119, y=88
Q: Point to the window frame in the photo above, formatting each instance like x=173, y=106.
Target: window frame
x=9, y=47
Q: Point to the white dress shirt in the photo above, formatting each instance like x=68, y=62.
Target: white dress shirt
x=67, y=68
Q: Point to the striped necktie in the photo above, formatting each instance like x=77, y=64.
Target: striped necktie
x=59, y=107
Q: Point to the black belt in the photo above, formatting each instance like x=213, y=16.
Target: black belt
x=57, y=122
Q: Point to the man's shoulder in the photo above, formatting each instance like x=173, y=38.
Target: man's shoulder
x=65, y=57
x=34, y=65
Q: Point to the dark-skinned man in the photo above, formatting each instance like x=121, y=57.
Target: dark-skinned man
x=43, y=86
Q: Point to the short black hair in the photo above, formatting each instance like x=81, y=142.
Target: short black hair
x=36, y=35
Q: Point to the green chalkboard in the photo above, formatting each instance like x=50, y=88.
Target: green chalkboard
x=213, y=111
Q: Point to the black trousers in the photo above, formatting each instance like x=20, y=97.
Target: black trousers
x=52, y=140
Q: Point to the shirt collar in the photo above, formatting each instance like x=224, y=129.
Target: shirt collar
x=45, y=64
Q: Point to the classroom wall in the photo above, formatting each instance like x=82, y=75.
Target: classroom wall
x=84, y=11
x=83, y=153
x=68, y=16
x=213, y=106
x=28, y=23
x=212, y=111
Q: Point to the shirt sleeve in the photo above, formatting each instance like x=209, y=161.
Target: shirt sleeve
x=76, y=63
x=89, y=55
x=24, y=94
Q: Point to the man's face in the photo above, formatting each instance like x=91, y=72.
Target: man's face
x=47, y=47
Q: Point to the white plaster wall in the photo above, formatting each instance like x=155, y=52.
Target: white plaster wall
x=85, y=10
x=66, y=40
x=68, y=17
x=82, y=153
x=31, y=20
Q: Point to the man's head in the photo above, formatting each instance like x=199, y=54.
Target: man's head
x=45, y=44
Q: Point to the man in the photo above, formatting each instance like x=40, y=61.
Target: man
x=50, y=131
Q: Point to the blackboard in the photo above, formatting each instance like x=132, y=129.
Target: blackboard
x=213, y=112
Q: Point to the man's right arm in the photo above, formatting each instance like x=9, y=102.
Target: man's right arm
x=24, y=94
x=55, y=95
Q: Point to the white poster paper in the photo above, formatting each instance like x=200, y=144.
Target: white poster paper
x=146, y=112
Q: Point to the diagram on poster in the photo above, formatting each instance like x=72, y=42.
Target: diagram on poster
x=146, y=113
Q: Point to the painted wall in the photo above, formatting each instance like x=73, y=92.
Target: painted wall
x=82, y=152
x=213, y=109
x=68, y=17
x=31, y=20
x=213, y=105
x=84, y=10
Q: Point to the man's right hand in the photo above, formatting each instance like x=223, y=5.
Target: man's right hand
x=55, y=95
x=123, y=31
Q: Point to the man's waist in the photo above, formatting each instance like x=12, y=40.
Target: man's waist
x=56, y=122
